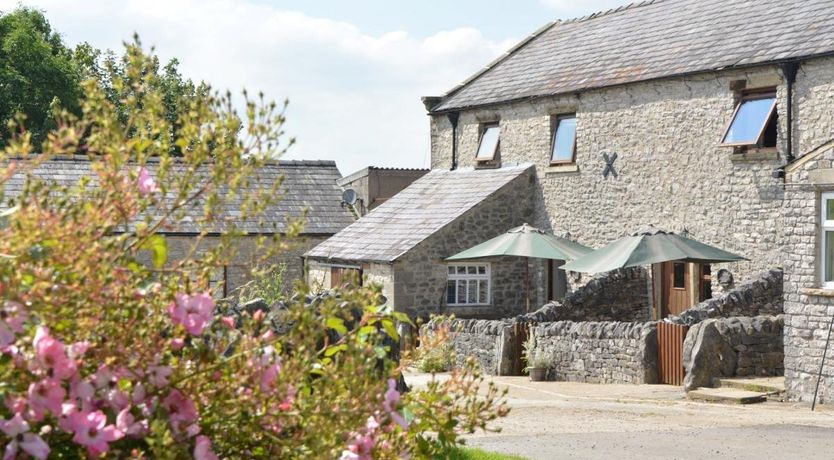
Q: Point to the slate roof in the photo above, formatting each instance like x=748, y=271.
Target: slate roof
x=308, y=185
x=650, y=40
x=424, y=207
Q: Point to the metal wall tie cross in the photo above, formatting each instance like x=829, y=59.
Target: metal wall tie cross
x=609, y=165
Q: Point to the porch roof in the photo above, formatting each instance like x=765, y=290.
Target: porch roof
x=414, y=214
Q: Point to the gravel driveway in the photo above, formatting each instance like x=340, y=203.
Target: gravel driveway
x=556, y=420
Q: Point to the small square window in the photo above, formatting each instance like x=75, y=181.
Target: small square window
x=753, y=123
x=564, y=140
x=488, y=147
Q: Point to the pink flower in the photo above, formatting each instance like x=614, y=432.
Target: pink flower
x=104, y=377
x=12, y=317
x=192, y=311
x=229, y=321
x=18, y=430
x=81, y=390
x=158, y=375
x=289, y=400
x=46, y=395
x=177, y=344
x=52, y=356
x=179, y=407
x=269, y=375
x=145, y=182
x=392, y=399
x=127, y=424
x=361, y=448
x=91, y=431
x=202, y=449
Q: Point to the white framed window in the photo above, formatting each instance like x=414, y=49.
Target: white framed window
x=468, y=284
x=827, y=240
x=488, y=144
x=563, y=149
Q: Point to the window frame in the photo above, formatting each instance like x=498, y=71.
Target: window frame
x=342, y=270
x=825, y=226
x=484, y=127
x=747, y=96
x=487, y=277
x=556, y=120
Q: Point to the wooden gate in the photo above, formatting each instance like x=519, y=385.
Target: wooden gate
x=520, y=333
x=670, y=339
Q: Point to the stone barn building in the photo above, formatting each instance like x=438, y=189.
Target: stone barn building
x=682, y=114
x=308, y=187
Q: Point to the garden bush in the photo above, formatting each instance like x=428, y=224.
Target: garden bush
x=101, y=355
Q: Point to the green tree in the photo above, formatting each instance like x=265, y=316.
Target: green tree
x=38, y=73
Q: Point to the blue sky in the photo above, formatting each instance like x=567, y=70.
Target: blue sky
x=353, y=71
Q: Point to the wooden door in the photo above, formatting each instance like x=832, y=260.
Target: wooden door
x=677, y=293
x=670, y=339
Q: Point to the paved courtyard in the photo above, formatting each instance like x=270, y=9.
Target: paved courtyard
x=560, y=420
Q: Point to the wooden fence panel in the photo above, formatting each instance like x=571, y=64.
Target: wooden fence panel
x=670, y=339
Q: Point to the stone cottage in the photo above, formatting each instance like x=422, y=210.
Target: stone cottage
x=683, y=114
x=308, y=186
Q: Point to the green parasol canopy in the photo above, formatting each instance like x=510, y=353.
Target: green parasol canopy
x=651, y=246
x=525, y=241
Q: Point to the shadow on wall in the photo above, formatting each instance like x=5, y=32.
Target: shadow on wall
x=620, y=295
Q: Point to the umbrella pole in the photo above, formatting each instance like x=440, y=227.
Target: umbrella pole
x=527, y=282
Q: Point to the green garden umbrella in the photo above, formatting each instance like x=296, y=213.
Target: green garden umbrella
x=525, y=241
x=646, y=247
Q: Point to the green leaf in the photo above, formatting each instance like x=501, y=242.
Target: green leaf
x=390, y=329
x=337, y=324
x=365, y=331
x=159, y=247
x=333, y=349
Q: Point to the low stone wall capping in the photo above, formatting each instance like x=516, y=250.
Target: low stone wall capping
x=600, y=352
x=761, y=295
x=729, y=347
x=622, y=295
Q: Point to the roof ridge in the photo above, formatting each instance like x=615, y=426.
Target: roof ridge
x=608, y=12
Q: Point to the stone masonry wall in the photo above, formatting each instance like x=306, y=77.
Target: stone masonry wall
x=808, y=308
x=607, y=352
x=761, y=295
x=671, y=173
x=420, y=275
x=622, y=295
x=729, y=347
x=487, y=341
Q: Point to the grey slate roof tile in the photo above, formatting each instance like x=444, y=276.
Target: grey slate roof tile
x=309, y=185
x=650, y=40
x=426, y=206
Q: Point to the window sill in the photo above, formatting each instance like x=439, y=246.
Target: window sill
x=768, y=154
x=562, y=169
x=817, y=292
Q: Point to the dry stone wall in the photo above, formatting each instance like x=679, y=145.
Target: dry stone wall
x=487, y=341
x=729, y=347
x=622, y=295
x=759, y=296
x=600, y=352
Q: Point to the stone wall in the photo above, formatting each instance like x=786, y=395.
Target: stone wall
x=420, y=275
x=761, y=295
x=670, y=171
x=622, y=295
x=808, y=307
x=487, y=341
x=600, y=352
x=729, y=347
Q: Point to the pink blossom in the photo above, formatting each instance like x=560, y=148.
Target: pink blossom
x=18, y=430
x=78, y=349
x=13, y=314
x=229, y=321
x=52, y=356
x=392, y=399
x=192, y=311
x=177, y=344
x=158, y=375
x=145, y=182
x=104, y=377
x=127, y=424
x=117, y=398
x=139, y=394
x=91, y=431
x=202, y=449
x=361, y=448
x=289, y=400
x=259, y=316
x=179, y=407
x=269, y=375
x=46, y=395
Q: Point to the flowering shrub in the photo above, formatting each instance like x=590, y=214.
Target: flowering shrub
x=101, y=355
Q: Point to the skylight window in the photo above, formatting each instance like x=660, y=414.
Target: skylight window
x=488, y=147
x=564, y=140
x=754, y=122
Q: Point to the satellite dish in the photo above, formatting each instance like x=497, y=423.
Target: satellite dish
x=349, y=196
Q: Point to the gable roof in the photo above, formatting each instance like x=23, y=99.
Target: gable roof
x=426, y=206
x=308, y=185
x=650, y=40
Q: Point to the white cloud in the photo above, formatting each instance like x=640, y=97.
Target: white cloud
x=577, y=8
x=354, y=97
